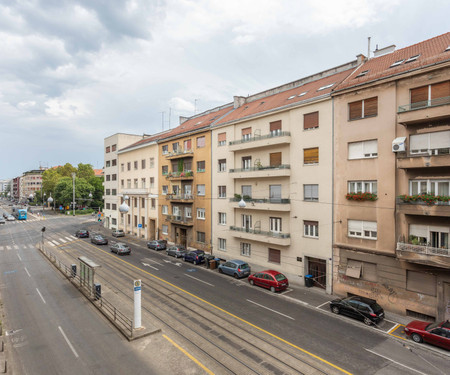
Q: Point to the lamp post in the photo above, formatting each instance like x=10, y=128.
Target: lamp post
x=73, y=203
x=50, y=199
x=124, y=208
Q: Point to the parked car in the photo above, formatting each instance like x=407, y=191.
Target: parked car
x=196, y=256
x=120, y=248
x=270, y=279
x=176, y=251
x=10, y=218
x=82, y=233
x=361, y=308
x=236, y=268
x=118, y=233
x=433, y=333
x=2, y=221
x=98, y=239
x=157, y=244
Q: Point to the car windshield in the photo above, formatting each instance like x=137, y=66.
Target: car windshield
x=280, y=277
x=376, y=307
x=244, y=266
x=432, y=326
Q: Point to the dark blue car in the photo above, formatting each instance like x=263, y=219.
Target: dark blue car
x=196, y=256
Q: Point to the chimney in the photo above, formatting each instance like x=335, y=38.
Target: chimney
x=360, y=58
x=383, y=51
x=238, y=101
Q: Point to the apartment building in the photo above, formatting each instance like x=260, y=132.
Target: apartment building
x=272, y=178
x=185, y=181
x=112, y=144
x=30, y=183
x=392, y=159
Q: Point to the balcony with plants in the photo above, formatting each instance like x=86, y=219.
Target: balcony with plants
x=180, y=219
x=418, y=250
x=261, y=171
x=258, y=141
x=424, y=204
x=267, y=204
x=360, y=196
x=179, y=153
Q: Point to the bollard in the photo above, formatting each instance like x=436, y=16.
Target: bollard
x=74, y=270
x=97, y=291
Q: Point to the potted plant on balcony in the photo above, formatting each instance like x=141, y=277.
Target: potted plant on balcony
x=237, y=197
x=361, y=196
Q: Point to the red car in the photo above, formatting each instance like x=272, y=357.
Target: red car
x=273, y=280
x=433, y=333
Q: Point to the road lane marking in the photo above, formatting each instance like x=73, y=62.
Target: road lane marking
x=207, y=370
x=68, y=342
x=397, y=363
x=204, y=282
x=73, y=237
x=27, y=272
x=1, y=248
x=62, y=240
x=18, y=256
x=8, y=247
x=55, y=242
x=325, y=303
x=51, y=243
x=68, y=238
x=267, y=308
x=41, y=295
x=393, y=328
x=148, y=265
x=16, y=247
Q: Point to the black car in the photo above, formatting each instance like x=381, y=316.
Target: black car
x=120, y=249
x=196, y=256
x=157, y=244
x=83, y=233
x=98, y=239
x=361, y=308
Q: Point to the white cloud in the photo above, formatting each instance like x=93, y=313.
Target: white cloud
x=182, y=105
x=65, y=108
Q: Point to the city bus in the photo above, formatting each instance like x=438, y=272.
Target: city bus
x=20, y=213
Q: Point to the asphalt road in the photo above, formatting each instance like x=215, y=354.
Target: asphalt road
x=51, y=314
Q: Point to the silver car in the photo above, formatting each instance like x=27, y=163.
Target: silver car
x=176, y=251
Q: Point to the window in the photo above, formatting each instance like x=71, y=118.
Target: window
x=311, y=155
x=274, y=256
x=412, y=58
x=363, y=150
x=108, y=177
x=113, y=148
x=362, y=229
x=114, y=177
x=187, y=145
x=165, y=170
x=201, y=213
x=201, y=237
x=188, y=212
x=435, y=187
x=114, y=162
x=201, y=166
x=175, y=146
x=275, y=224
x=311, y=228
x=246, y=249
x=135, y=202
x=129, y=183
x=363, y=108
x=175, y=189
x=437, y=143
x=222, y=218
x=122, y=167
x=311, y=192
x=222, y=139
x=222, y=244
x=136, y=183
x=275, y=193
x=108, y=149
x=122, y=183
x=246, y=191
x=176, y=211
x=275, y=159
x=246, y=162
x=114, y=206
x=152, y=162
x=165, y=149
x=143, y=183
x=201, y=142
x=114, y=221
x=165, y=229
x=397, y=63
x=222, y=165
x=246, y=221
x=143, y=163
x=135, y=165
x=108, y=206
x=164, y=209
x=108, y=163
x=200, y=189
x=310, y=120
x=246, y=134
x=275, y=128
x=153, y=202
x=362, y=187
x=152, y=182
x=165, y=189
x=222, y=191
x=143, y=203
x=433, y=236
x=108, y=191
x=129, y=166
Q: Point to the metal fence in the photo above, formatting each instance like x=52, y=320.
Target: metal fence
x=119, y=319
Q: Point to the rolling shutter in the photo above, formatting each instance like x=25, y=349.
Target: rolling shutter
x=353, y=269
x=355, y=110
x=421, y=282
x=418, y=142
x=275, y=159
x=311, y=155
x=274, y=256
x=371, y=107
x=419, y=94
x=222, y=137
x=311, y=120
x=440, y=90
x=439, y=140
x=246, y=131
x=275, y=125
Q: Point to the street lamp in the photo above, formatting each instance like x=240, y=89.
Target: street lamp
x=124, y=208
x=242, y=203
x=73, y=203
x=43, y=201
x=50, y=199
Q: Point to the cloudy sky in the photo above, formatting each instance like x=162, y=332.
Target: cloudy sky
x=73, y=72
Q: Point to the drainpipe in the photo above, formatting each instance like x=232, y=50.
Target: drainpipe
x=332, y=195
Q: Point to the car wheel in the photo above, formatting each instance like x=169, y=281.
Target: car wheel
x=417, y=338
x=220, y=270
x=236, y=276
x=335, y=310
x=272, y=289
x=252, y=282
x=367, y=322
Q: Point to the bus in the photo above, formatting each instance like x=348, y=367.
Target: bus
x=19, y=213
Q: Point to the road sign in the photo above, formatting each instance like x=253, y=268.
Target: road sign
x=139, y=225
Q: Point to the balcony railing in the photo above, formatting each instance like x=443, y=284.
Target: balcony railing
x=178, y=153
x=425, y=104
x=180, y=219
x=180, y=175
x=423, y=249
x=174, y=197
x=260, y=168
x=261, y=232
x=263, y=200
x=257, y=138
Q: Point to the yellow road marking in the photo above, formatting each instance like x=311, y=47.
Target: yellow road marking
x=228, y=313
x=399, y=337
x=187, y=354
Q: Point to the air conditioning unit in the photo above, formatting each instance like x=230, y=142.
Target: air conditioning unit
x=399, y=145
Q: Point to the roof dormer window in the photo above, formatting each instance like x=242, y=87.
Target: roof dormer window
x=447, y=49
x=412, y=58
x=325, y=87
x=362, y=74
x=303, y=93
x=397, y=63
x=291, y=97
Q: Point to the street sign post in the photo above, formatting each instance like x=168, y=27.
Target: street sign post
x=137, y=303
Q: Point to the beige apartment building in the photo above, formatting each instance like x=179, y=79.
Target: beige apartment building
x=30, y=183
x=112, y=144
x=392, y=142
x=272, y=160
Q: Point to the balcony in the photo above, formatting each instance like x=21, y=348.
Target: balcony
x=423, y=254
x=282, y=170
x=276, y=138
x=420, y=207
x=176, y=176
x=182, y=198
x=433, y=159
x=429, y=110
x=271, y=238
x=179, y=154
x=178, y=219
x=134, y=191
x=265, y=204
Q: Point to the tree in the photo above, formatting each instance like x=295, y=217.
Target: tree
x=64, y=191
x=97, y=193
x=50, y=178
x=66, y=170
x=85, y=171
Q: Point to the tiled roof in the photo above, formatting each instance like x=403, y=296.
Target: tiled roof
x=303, y=93
x=428, y=52
x=144, y=140
x=98, y=172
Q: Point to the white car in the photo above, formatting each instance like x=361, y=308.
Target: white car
x=10, y=218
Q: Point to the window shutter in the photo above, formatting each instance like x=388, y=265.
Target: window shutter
x=187, y=145
x=419, y=94
x=418, y=142
x=440, y=140
x=371, y=107
x=371, y=147
x=311, y=120
x=222, y=137
x=274, y=255
x=311, y=155
x=275, y=159
x=355, y=110
x=275, y=125
x=353, y=268
x=354, y=226
x=246, y=131
x=421, y=282
x=370, y=225
x=440, y=90
x=418, y=230
x=313, y=223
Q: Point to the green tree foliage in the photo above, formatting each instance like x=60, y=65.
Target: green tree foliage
x=97, y=192
x=66, y=170
x=64, y=191
x=50, y=178
x=85, y=171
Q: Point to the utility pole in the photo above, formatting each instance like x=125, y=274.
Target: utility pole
x=73, y=203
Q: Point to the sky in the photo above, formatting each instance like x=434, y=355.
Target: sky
x=73, y=72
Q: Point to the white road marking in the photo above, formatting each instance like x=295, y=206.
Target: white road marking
x=69, y=239
x=68, y=342
x=204, y=282
x=148, y=265
x=8, y=247
x=393, y=328
x=1, y=248
x=16, y=247
x=41, y=295
x=62, y=240
x=277, y=312
x=318, y=307
x=51, y=243
x=55, y=242
x=27, y=272
x=397, y=363
x=18, y=256
x=73, y=237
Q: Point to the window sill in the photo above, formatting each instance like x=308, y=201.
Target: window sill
x=313, y=237
x=363, y=238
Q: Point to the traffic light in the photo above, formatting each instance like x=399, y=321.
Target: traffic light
x=99, y=219
x=43, y=229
